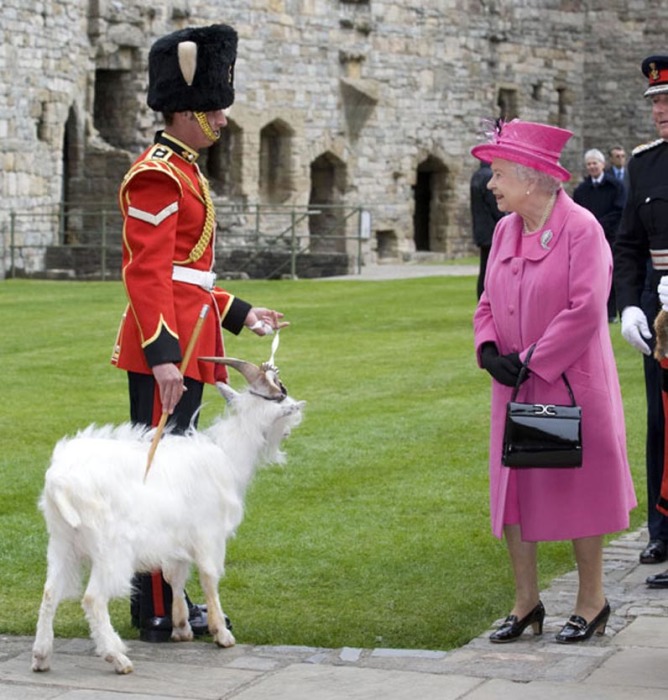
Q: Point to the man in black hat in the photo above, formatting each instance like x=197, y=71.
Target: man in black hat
x=168, y=257
x=641, y=258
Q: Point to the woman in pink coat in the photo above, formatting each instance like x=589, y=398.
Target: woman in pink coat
x=547, y=284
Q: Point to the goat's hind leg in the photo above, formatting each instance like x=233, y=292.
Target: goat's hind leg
x=42, y=649
x=216, y=617
x=176, y=576
x=62, y=581
x=95, y=603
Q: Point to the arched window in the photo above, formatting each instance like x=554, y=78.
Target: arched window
x=327, y=228
x=276, y=179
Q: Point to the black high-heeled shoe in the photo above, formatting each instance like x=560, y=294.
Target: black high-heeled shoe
x=577, y=629
x=512, y=627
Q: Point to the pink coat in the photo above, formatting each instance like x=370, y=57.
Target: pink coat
x=555, y=296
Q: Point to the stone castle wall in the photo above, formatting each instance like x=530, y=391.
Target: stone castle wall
x=369, y=103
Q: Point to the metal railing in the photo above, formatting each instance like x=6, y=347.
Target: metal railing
x=30, y=240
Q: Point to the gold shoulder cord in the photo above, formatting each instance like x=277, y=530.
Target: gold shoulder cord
x=209, y=220
x=209, y=223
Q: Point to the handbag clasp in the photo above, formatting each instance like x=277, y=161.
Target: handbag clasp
x=543, y=409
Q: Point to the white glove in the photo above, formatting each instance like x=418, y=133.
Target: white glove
x=663, y=292
x=635, y=328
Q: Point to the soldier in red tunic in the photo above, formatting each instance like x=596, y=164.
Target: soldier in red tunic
x=168, y=259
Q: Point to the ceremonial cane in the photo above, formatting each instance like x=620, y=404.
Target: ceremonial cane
x=184, y=365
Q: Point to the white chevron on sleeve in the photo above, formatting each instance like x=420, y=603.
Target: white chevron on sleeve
x=155, y=219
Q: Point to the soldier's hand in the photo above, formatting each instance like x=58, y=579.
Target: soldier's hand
x=635, y=328
x=171, y=386
x=264, y=321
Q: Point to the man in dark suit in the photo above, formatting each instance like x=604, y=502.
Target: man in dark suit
x=484, y=215
x=640, y=263
x=617, y=159
x=603, y=194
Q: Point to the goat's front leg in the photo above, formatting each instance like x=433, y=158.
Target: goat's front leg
x=216, y=617
x=176, y=575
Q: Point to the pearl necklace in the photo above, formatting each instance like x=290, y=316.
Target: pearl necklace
x=544, y=218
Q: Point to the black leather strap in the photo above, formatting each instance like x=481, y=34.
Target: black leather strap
x=525, y=369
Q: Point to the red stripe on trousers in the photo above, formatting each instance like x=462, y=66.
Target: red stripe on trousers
x=156, y=576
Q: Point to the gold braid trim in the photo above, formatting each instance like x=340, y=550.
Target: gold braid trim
x=172, y=170
x=206, y=127
x=209, y=223
x=209, y=219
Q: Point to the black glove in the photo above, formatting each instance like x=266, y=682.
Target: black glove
x=504, y=368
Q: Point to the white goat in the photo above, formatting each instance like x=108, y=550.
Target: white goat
x=99, y=510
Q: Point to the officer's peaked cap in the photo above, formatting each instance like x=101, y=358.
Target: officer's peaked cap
x=656, y=69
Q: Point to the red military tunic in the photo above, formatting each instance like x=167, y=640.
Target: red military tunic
x=662, y=505
x=169, y=225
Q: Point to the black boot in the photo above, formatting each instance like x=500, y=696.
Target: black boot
x=134, y=600
x=154, y=607
x=197, y=617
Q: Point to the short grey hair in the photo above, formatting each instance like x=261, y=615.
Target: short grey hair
x=543, y=181
x=595, y=154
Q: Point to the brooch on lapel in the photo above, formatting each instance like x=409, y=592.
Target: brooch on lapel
x=545, y=239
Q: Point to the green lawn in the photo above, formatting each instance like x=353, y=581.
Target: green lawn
x=376, y=531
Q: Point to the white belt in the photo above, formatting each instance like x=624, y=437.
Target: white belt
x=202, y=278
x=659, y=259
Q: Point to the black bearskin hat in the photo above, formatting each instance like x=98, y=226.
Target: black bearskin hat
x=193, y=70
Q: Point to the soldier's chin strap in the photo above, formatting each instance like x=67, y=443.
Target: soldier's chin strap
x=206, y=127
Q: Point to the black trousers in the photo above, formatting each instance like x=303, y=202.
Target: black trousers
x=145, y=408
x=151, y=594
x=484, y=255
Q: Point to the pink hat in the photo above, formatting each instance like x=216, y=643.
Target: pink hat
x=537, y=146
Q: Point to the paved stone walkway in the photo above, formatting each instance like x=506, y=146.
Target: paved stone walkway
x=392, y=271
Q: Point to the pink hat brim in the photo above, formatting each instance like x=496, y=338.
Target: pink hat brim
x=489, y=151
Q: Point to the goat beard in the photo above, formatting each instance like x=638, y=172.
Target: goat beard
x=661, y=329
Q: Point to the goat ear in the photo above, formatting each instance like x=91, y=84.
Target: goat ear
x=226, y=391
x=288, y=409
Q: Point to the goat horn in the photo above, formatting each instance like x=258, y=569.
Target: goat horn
x=250, y=371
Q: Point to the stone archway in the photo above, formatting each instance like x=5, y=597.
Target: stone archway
x=276, y=177
x=71, y=170
x=327, y=229
x=430, y=214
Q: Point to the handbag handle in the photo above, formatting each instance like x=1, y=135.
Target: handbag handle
x=525, y=369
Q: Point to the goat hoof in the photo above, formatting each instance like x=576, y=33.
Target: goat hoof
x=40, y=663
x=224, y=639
x=122, y=665
x=182, y=634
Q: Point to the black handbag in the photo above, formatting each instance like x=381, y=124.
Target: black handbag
x=542, y=435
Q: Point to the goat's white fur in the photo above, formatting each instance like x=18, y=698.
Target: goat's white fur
x=99, y=511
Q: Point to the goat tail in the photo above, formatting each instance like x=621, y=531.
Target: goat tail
x=59, y=500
